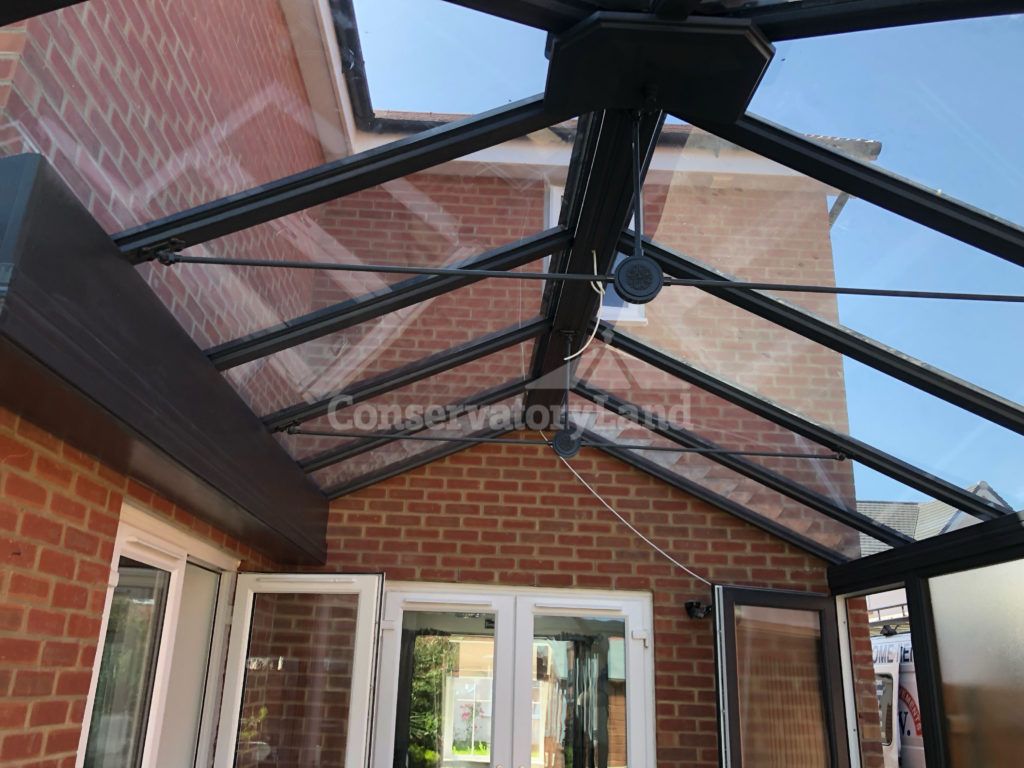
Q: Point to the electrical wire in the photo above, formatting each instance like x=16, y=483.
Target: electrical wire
x=599, y=290
x=629, y=525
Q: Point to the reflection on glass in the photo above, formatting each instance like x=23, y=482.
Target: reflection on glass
x=779, y=676
x=884, y=689
x=979, y=627
x=579, y=692
x=121, y=707
x=446, y=684
x=298, y=675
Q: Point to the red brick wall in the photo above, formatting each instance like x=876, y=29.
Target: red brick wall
x=59, y=512
x=513, y=515
x=146, y=108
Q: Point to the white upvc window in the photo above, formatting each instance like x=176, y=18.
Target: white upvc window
x=159, y=658
x=613, y=308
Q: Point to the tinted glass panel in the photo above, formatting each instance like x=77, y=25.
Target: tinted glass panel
x=779, y=675
x=982, y=670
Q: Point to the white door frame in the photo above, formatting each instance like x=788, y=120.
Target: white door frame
x=514, y=609
x=150, y=540
x=368, y=590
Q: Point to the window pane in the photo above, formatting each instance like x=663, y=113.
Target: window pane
x=298, y=674
x=979, y=626
x=446, y=684
x=579, y=692
x=779, y=672
x=121, y=707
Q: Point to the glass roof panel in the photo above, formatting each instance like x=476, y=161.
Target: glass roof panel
x=750, y=219
x=937, y=99
x=332, y=363
x=149, y=109
x=497, y=416
x=430, y=56
x=707, y=417
x=428, y=399
x=826, y=387
x=437, y=218
x=699, y=469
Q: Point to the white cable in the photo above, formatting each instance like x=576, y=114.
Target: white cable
x=599, y=289
x=629, y=525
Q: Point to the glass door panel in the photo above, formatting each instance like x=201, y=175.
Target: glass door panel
x=579, y=692
x=445, y=689
x=298, y=682
x=445, y=680
x=583, y=662
x=780, y=692
x=120, y=713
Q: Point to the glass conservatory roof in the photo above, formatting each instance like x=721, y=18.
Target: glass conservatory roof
x=384, y=241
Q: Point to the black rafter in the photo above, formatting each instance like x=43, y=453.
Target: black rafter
x=906, y=198
x=408, y=374
x=936, y=382
x=379, y=439
x=404, y=294
x=743, y=466
x=18, y=10
x=867, y=455
x=787, y=21
x=698, y=491
x=337, y=179
x=599, y=205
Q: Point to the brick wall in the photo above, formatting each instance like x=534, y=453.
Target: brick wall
x=300, y=672
x=59, y=512
x=512, y=515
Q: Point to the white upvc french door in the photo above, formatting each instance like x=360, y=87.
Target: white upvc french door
x=298, y=684
x=514, y=678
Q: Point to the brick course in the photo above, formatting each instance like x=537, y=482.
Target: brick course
x=59, y=511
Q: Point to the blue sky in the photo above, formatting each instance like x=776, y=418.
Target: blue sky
x=945, y=102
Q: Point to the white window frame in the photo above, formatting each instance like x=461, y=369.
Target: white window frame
x=150, y=540
x=368, y=589
x=627, y=313
x=514, y=643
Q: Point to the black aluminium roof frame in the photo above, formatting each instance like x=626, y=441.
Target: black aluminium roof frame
x=920, y=375
x=744, y=466
x=447, y=142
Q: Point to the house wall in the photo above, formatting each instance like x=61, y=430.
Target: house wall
x=147, y=108
x=59, y=511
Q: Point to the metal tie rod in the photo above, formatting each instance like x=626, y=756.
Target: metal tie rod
x=585, y=443
x=169, y=259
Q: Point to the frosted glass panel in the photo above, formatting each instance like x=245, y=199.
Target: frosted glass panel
x=979, y=625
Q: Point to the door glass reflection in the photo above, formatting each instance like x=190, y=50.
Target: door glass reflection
x=579, y=692
x=445, y=689
x=125, y=683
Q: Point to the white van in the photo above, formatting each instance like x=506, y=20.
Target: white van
x=896, y=685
